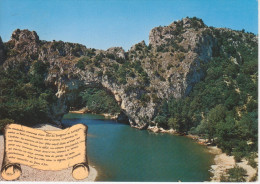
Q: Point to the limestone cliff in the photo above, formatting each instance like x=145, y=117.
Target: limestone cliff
x=139, y=78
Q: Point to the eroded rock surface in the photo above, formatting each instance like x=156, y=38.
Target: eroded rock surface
x=139, y=78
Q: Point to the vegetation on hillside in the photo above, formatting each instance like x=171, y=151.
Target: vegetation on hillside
x=236, y=174
x=99, y=101
x=24, y=97
x=223, y=106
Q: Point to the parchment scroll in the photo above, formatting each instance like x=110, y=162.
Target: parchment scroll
x=45, y=150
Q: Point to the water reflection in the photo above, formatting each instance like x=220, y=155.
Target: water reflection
x=122, y=153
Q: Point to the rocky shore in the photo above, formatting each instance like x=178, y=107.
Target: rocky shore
x=222, y=161
x=30, y=174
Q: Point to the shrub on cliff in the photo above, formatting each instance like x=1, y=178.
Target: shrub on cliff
x=80, y=64
x=4, y=122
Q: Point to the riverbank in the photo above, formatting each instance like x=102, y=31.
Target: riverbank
x=223, y=162
x=85, y=110
x=30, y=174
x=80, y=111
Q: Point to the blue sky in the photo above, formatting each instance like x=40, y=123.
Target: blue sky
x=106, y=23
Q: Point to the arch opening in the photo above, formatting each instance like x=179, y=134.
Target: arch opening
x=96, y=99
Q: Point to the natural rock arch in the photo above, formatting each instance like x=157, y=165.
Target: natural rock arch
x=69, y=88
x=139, y=79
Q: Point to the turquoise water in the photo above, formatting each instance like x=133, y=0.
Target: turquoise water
x=122, y=153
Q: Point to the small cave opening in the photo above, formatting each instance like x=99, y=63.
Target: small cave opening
x=97, y=100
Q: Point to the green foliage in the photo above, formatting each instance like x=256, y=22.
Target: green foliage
x=252, y=163
x=12, y=52
x=179, y=27
x=162, y=48
x=120, y=72
x=138, y=68
x=111, y=56
x=197, y=22
x=223, y=178
x=180, y=56
x=145, y=98
x=39, y=71
x=24, y=97
x=223, y=106
x=201, y=129
x=82, y=62
x=238, y=156
x=155, y=98
x=57, y=45
x=175, y=115
x=215, y=115
x=120, y=59
x=99, y=101
x=90, y=52
x=251, y=160
x=161, y=120
x=4, y=122
x=76, y=51
x=236, y=174
x=139, y=46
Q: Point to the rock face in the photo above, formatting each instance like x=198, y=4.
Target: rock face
x=139, y=79
x=2, y=51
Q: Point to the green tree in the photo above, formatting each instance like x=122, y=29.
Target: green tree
x=215, y=116
x=161, y=120
x=236, y=174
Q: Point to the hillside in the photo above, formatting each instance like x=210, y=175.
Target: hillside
x=139, y=78
x=190, y=77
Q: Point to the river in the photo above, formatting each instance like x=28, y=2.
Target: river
x=122, y=153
